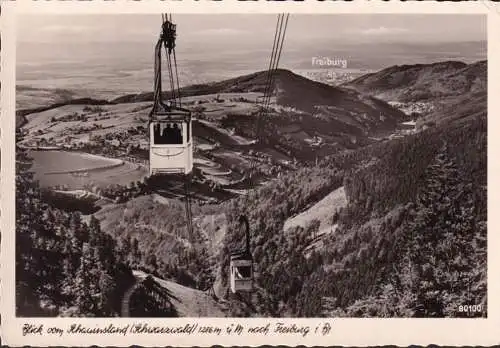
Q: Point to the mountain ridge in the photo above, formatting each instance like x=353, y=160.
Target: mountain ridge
x=422, y=82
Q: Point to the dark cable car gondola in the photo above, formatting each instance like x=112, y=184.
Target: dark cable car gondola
x=170, y=127
x=241, y=264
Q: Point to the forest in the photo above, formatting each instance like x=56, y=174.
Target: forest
x=411, y=242
x=65, y=266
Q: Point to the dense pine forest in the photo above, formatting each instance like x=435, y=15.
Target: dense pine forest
x=63, y=265
x=411, y=242
x=67, y=266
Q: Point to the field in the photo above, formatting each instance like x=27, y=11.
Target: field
x=322, y=211
x=69, y=124
x=110, y=129
x=74, y=170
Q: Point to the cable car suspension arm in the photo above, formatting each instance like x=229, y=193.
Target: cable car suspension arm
x=166, y=41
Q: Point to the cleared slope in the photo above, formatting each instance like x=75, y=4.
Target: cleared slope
x=187, y=301
x=322, y=211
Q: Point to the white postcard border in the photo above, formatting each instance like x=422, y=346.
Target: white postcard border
x=360, y=332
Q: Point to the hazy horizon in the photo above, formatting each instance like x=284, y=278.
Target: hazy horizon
x=112, y=55
x=339, y=28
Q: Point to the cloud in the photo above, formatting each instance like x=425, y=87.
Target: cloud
x=384, y=31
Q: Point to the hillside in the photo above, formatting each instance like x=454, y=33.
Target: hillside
x=362, y=263
x=299, y=93
x=341, y=224
x=459, y=109
x=306, y=121
x=64, y=266
x=322, y=211
x=52, y=101
x=159, y=227
x=435, y=93
x=188, y=302
x=423, y=82
x=292, y=90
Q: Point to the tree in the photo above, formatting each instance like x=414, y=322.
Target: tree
x=76, y=225
x=441, y=235
x=88, y=293
x=94, y=231
x=29, y=277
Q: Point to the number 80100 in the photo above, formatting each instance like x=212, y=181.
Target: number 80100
x=470, y=308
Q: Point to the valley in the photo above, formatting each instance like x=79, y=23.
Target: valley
x=326, y=120
x=340, y=173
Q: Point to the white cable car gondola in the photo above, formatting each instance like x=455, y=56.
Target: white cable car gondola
x=170, y=127
x=241, y=265
x=171, y=143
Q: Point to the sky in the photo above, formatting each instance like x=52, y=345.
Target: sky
x=114, y=53
x=253, y=29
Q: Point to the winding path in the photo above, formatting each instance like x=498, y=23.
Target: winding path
x=126, y=299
